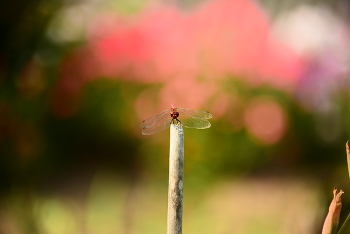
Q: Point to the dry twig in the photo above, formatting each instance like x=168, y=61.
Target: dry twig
x=332, y=220
x=348, y=155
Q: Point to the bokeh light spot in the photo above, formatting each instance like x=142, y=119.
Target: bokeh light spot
x=57, y=218
x=265, y=120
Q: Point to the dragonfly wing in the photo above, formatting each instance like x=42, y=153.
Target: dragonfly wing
x=148, y=130
x=156, y=123
x=194, y=118
x=154, y=119
x=193, y=122
x=194, y=113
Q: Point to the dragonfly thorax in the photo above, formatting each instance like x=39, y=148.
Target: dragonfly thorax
x=174, y=114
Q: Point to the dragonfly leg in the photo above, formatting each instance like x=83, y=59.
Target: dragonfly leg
x=175, y=121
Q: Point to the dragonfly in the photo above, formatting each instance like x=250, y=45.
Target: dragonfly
x=188, y=118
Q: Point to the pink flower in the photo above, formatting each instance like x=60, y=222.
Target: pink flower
x=189, y=54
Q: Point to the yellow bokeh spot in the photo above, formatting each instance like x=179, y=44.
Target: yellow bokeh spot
x=56, y=217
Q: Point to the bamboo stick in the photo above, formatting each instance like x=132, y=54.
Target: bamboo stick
x=176, y=171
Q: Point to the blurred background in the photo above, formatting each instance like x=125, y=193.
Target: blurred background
x=77, y=77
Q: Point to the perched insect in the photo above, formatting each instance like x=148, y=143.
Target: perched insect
x=188, y=118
